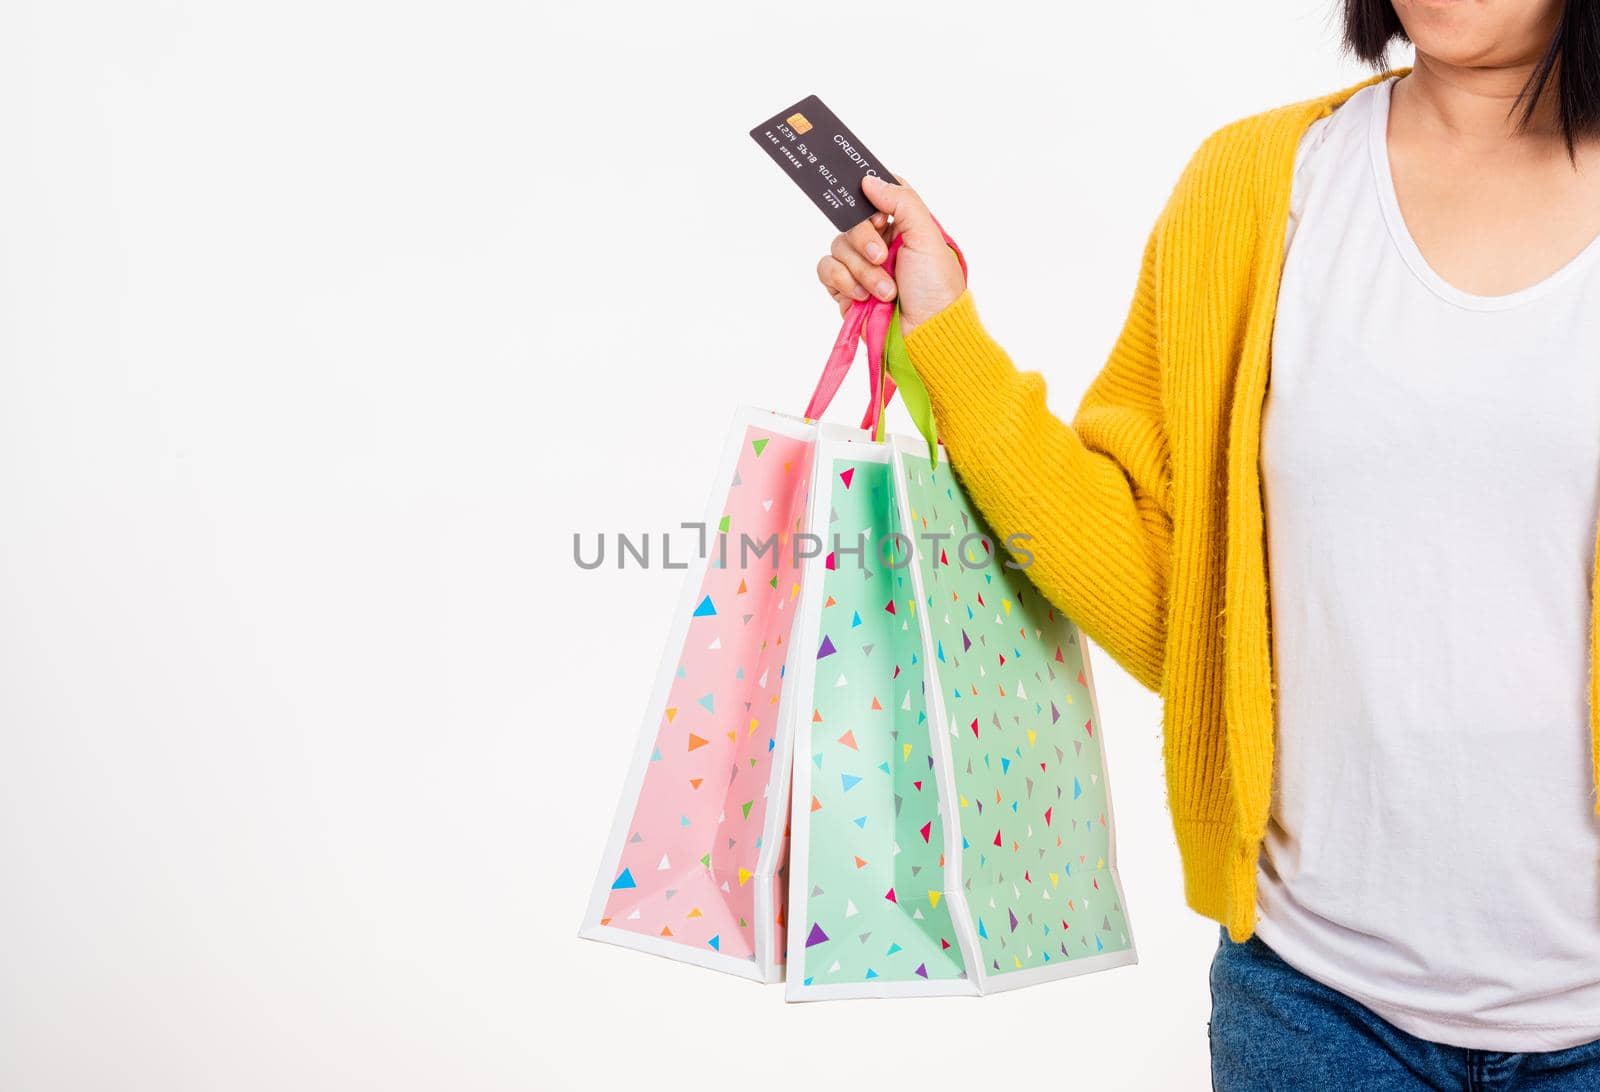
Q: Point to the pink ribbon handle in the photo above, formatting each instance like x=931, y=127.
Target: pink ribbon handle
x=867, y=320
x=839, y=361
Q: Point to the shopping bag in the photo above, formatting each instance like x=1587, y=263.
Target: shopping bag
x=868, y=915
x=1030, y=855
x=694, y=865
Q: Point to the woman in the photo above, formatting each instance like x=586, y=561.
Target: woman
x=1381, y=774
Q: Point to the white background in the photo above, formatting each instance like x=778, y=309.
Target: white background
x=323, y=327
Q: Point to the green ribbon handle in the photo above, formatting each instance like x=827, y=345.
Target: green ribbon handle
x=897, y=362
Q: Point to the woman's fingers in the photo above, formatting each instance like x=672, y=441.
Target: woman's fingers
x=852, y=265
x=863, y=271
x=838, y=280
x=866, y=239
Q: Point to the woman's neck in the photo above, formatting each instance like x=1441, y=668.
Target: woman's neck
x=1477, y=106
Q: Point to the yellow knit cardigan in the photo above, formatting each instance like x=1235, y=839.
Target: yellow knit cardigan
x=1146, y=511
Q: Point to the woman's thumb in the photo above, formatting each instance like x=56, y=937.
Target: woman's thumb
x=911, y=216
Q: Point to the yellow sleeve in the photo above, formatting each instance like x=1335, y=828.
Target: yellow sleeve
x=1092, y=496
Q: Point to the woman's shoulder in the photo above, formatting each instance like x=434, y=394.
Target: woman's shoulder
x=1284, y=124
x=1245, y=164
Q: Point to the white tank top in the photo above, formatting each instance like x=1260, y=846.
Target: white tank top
x=1431, y=466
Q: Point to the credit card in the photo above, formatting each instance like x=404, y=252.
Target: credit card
x=824, y=158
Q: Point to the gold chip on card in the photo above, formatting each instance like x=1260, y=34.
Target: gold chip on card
x=799, y=124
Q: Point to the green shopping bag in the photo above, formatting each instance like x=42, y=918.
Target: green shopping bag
x=868, y=915
x=1031, y=875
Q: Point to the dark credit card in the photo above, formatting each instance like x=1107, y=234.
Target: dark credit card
x=824, y=158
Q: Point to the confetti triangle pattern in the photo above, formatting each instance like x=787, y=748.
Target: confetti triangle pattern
x=938, y=664
x=867, y=897
x=688, y=871
x=1036, y=872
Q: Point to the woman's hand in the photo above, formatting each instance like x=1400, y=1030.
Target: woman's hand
x=927, y=276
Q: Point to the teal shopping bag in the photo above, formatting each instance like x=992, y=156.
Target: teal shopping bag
x=1031, y=876
x=867, y=908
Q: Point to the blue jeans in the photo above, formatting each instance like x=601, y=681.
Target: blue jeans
x=1274, y=1028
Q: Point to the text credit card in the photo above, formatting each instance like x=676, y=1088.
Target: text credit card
x=824, y=158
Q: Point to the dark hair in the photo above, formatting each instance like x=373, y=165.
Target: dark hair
x=1370, y=26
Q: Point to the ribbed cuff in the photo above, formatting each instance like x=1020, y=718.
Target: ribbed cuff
x=952, y=351
x=1219, y=873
